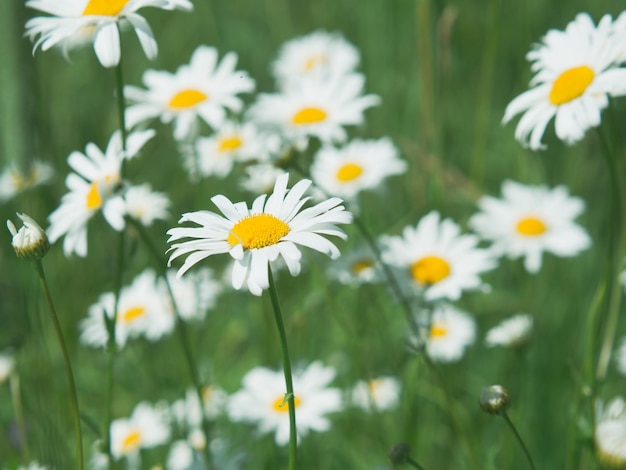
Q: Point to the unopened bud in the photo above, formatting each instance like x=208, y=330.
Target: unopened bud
x=494, y=399
x=30, y=241
x=400, y=453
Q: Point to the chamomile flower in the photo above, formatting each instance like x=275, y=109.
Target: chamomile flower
x=314, y=108
x=187, y=411
x=145, y=205
x=358, y=166
x=7, y=364
x=95, y=20
x=261, y=401
x=512, y=332
x=260, y=178
x=203, y=88
x=381, y=393
x=610, y=433
x=194, y=294
x=530, y=220
x=93, y=188
x=273, y=227
x=576, y=75
x=180, y=456
x=438, y=260
x=13, y=180
x=146, y=427
x=30, y=241
x=355, y=268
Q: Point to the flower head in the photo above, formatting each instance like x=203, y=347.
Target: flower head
x=610, y=433
x=30, y=241
x=512, y=332
x=13, y=180
x=381, y=393
x=195, y=293
x=356, y=267
x=145, y=205
x=7, y=364
x=146, y=427
x=494, y=399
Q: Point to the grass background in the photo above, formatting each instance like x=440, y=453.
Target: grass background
x=445, y=72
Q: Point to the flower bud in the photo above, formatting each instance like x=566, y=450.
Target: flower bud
x=494, y=399
x=400, y=453
x=30, y=241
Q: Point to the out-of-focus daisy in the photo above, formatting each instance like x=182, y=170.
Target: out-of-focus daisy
x=440, y=262
x=13, y=181
x=7, y=364
x=356, y=267
x=180, y=456
x=313, y=108
x=142, y=311
x=610, y=433
x=530, y=220
x=261, y=401
x=195, y=293
x=381, y=393
x=93, y=188
x=146, y=427
x=187, y=412
x=320, y=54
x=274, y=226
x=360, y=165
x=145, y=205
x=512, y=332
x=446, y=333
x=261, y=178
x=97, y=20
x=33, y=466
x=203, y=88
x=620, y=357
x=576, y=75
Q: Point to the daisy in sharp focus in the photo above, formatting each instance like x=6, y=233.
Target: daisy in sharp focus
x=512, y=332
x=202, y=89
x=13, y=180
x=439, y=262
x=380, y=393
x=261, y=401
x=273, y=226
x=610, y=433
x=576, y=74
x=530, y=220
x=79, y=21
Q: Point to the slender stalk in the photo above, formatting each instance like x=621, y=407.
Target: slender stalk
x=289, y=396
x=519, y=439
x=414, y=463
x=16, y=398
x=68, y=365
x=121, y=105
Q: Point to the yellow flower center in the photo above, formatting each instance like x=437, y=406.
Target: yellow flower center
x=309, y=116
x=362, y=265
x=438, y=330
x=531, y=227
x=314, y=61
x=229, y=144
x=94, y=199
x=187, y=99
x=131, y=442
x=430, y=270
x=132, y=314
x=283, y=406
x=99, y=190
x=105, y=7
x=258, y=231
x=571, y=84
x=349, y=172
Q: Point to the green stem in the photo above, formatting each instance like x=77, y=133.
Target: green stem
x=68, y=365
x=121, y=106
x=16, y=397
x=289, y=396
x=414, y=463
x=519, y=439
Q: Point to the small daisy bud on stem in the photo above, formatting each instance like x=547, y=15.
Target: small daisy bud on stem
x=401, y=453
x=30, y=241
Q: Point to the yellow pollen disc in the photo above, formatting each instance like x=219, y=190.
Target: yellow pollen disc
x=132, y=314
x=94, y=199
x=349, y=172
x=362, y=265
x=571, y=84
x=438, y=330
x=278, y=405
x=430, y=270
x=105, y=7
x=309, y=116
x=531, y=227
x=258, y=231
x=314, y=61
x=187, y=99
x=229, y=144
x=131, y=442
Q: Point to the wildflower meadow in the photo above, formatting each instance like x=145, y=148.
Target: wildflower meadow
x=312, y=235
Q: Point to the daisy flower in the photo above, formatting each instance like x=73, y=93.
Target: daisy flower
x=261, y=401
x=97, y=20
x=621, y=357
x=145, y=205
x=30, y=241
x=260, y=178
x=530, y=220
x=93, y=188
x=187, y=411
x=355, y=268
x=7, y=364
x=274, y=226
x=381, y=393
x=512, y=332
x=314, y=108
x=34, y=465
x=610, y=433
x=318, y=54
x=194, y=294
x=13, y=181
x=180, y=456
x=576, y=75
x=359, y=165
x=203, y=88
x=438, y=260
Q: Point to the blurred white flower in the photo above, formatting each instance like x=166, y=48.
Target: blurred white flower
x=381, y=393
x=145, y=205
x=146, y=427
x=512, y=332
x=180, y=456
x=13, y=180
x=356, y=267
x=7, y=364
x=610, y=433
x=194, y=294
x=261, y=178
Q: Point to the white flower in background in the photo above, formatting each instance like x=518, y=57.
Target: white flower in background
x=359, y=165
x=187, y=412
x=319, y=54
x=195, y=294
x=530, y=220
x=93, y=188
x=261, y=401
x=610, y=433
x=314, y=108
x=202, y=89
x=356, y=267
x=576, y=75
x=512, y=332
x=7, y=364
x=146, y=427
x=273, y=227
x=620, y=357
x=143, y=310
x=145, y=205
x=439, y=261
x=260, y=178
x=381, y=393
x=180, y=456
x=30, y=241
x=81, y=21
x=33, y=466
x=13, y=180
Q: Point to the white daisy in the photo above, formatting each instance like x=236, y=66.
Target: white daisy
x=187, y=411
x=30, y=241
x=33, y=466
x=261, y=401
x=261, y=178
x=610, y=433
x=512, y=332
x=180, y=456
x=530, y=220
x=93, y=188
x=576, y=74
x=620, y=357
x=145, y=205
x=203, y=88
x=313, y=108
x=320, y=54
x=98, y=20
x=439, y=261
x=194, y=294
x=13, y=180
x=359, y=165
x=356, y=267
x=7, y=364
x=254, y=237
x=381, y=393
